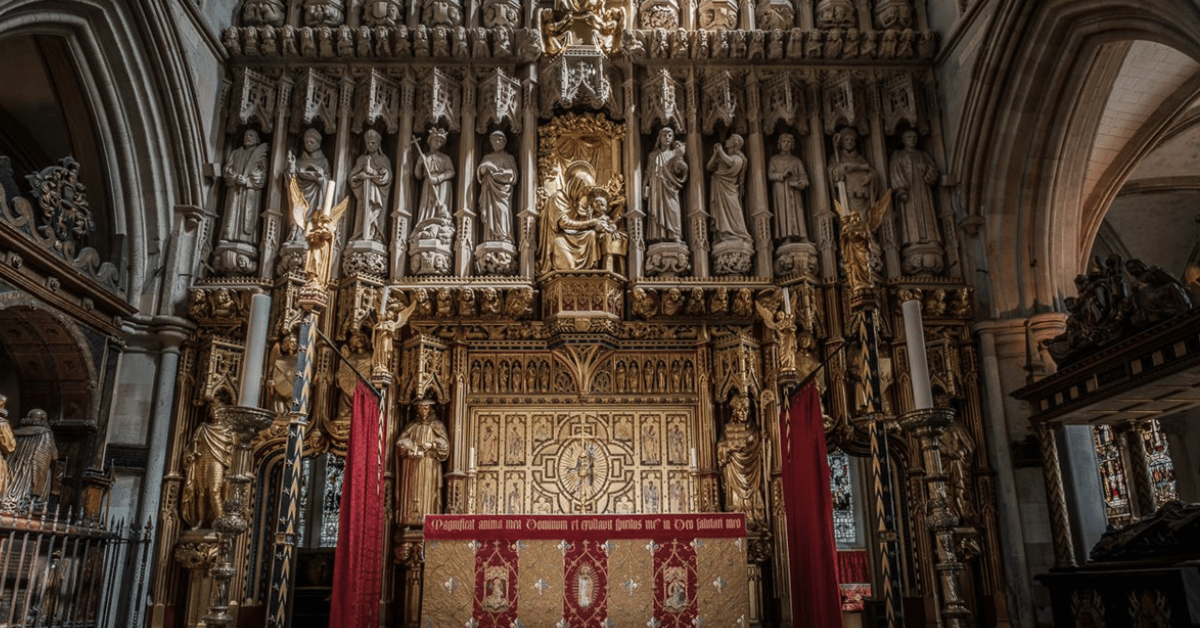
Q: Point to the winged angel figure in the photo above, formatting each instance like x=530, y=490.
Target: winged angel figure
x=860, y=253
x=320, y=232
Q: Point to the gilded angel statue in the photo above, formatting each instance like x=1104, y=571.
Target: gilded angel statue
x=860, y=253
x=320, y=231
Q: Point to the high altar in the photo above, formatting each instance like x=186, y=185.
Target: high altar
x=586, y=249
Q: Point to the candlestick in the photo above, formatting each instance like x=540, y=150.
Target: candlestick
x=328, y=208
x=256, y=349
x=914, y=335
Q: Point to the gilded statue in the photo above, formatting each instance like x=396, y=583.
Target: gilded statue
x=860, y=253
x=245, y=176
x=581, y=23
x=436, y=171
x=283, y=369
x=371, y=180
x=788, y=179
x=912, y=175
x=392, y=320
x=728, y=165
x=8, y=444
x=738, y=453
x=577, y=231
x=666, y=172
x=321, y=234
x=205, y=462
x=783, y=324
x=497, y=173
x=310, y=173
x=958, y=449
x=30, y=464
x=422, y=447
x=356, y=354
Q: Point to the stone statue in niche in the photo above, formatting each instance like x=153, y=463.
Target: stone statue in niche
x=8, y=444
x=912, y=175
x=666, y=172
x=851, y=172
x=497, y=174
x=311, y=172
x=381, y=13
x=732, y=244
x=245, y=175
x=331, y=13
x=371, y=180
x=434, y=231
x=788, y=180
x=738, y=453
x=436, y=171
x=422, y=447
x=577, y=231
x=204, y=465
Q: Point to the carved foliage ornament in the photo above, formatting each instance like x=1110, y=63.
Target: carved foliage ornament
x=63, y=202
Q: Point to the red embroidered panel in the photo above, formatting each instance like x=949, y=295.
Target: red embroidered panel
x=585, y=601
x=675, y=582
x=496, y=584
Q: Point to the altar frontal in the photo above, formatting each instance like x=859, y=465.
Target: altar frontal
x=585, y=571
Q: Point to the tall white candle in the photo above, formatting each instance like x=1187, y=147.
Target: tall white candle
x=787, y=300
x=328, y=208
x=256, y=349
x=914, y=335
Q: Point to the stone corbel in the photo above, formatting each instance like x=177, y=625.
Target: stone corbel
x=378, y=99
x=499, y=101
x=316, y=101
x=662, y=102
x=254, y=100
x=439, y=96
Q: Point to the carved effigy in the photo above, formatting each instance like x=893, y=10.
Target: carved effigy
x=205, y=462
x=497, y=175
x=732, y=244
x=422, y=447
x=912, y=175
x=1110, y=306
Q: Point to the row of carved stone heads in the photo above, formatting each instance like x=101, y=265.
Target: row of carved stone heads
x=666, y=14
x=581, y=224
x=440, y=42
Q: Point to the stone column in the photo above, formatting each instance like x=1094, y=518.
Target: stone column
x=823, y=221
x=341, y=164
x=1081, y=479
x=634, y=214
x=527, y=236
x=756, y=196
x=465, y=215
x=402, y=210
x=697, y=216
x=273, y=214
x=457, y=500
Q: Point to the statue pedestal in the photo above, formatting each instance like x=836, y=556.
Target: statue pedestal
x=235, y=258
x=796, y=257
x=496, y=258
x=927, y=258
x=732, y=257
x=365, y=257
x=668, y=259
x=583, y=301
x=431, y=248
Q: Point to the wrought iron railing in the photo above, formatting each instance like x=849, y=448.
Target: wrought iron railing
x=58, y=570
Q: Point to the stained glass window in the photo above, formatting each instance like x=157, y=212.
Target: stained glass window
x=335, y=468
x=1112, y=476
x=840, y=484
x=1162, y=471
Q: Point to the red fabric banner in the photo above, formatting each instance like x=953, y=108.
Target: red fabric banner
x=808, y=501
x=356, y=564
x=852, y=567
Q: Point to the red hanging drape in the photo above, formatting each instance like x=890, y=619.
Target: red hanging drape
x=357, y=562
x=808, y=502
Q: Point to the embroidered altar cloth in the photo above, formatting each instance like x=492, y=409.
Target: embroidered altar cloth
x=585, y=571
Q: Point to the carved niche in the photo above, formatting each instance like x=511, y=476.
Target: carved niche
x=499, y=101
x=784, y=101
x=253, y=100
x=722, y=101
x=662, y=102
x=439, y=96
x=378, y=100
x=316, y=102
